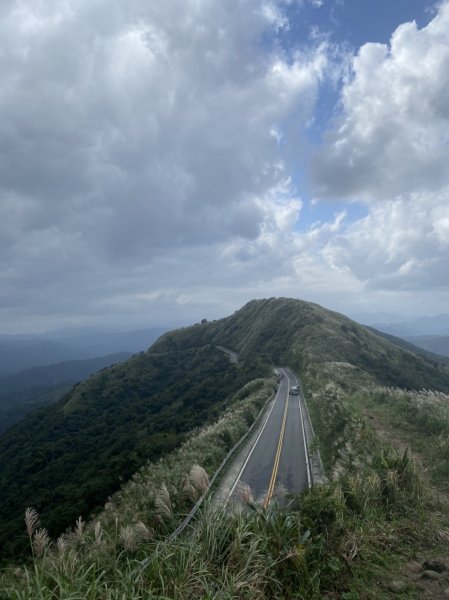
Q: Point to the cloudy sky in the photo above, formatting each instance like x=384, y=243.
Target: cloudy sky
x=170, y=160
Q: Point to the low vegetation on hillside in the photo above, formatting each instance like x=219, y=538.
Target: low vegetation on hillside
x=306, y=336
x=420, y=419
x=66, y=459
x=348, y=539
x=335, y=541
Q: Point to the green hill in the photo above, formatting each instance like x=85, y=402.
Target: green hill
x=32, y=388
x=306, y=336
x=66, y=459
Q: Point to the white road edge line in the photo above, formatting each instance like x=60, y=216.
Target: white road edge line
x=255, y=443
x=306, y=449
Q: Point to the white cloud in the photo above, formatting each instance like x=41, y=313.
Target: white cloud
x=393, y=134
x=402, y=244
x=390, y=149
x=145, y=163
x=137, y=141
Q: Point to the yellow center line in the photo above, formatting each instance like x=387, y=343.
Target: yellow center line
x=277, y=458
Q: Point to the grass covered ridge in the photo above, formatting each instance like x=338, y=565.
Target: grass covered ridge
x=335, y=541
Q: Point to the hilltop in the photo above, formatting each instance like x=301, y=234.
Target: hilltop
x=66, y=459
x=306, y=336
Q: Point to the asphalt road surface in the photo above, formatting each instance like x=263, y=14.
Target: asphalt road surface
x=277, y=462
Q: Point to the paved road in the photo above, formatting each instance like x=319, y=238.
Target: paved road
x=278, y=458
x=233, y=356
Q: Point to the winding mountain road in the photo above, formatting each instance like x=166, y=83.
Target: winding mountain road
x=278, y=460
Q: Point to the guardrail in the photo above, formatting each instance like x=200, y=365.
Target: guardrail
x=199, y=502
x=317, y=469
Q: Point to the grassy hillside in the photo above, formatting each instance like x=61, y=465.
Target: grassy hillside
x=356, y=537
x=348, y=539
x=307, y=336
x=66, y=459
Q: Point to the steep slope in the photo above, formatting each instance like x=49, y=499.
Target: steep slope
x=66, y=459
x=38, y=386
x=305, y=336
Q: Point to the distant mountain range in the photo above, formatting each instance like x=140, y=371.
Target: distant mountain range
x=429, y=333
x=420, y=326
x=24, y=351
x=27, y=390
x=439, y=344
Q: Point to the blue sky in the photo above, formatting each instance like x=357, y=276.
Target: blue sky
x=356, y=21
x=348, y=24
x=164, y=162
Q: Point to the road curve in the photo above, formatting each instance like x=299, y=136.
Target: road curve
x=278, y=460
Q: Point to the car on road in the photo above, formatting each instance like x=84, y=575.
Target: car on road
x=294, y=390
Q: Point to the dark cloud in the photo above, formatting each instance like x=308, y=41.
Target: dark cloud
x=135, y=133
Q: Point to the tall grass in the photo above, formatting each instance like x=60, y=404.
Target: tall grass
x=423, y=417
x=322, y=543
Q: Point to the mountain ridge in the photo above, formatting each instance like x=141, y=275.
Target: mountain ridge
x=108, y=426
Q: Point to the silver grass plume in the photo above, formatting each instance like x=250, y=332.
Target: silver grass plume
x=245, y=492
x=41, y=542
x=162, y=502
x=132, y=535
x=31, y=520
x=142, y=531
x=98, y=532
x=61, y=544
x=279, y=492
x=199, y=478
x=188, y=489
x=79, y=528
x=128, y=538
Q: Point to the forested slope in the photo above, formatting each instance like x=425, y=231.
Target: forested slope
x=32, y=388
x=66, y=459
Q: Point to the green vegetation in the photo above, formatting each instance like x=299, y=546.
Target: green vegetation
x=32, y=388
x=307, y=336
x=420, y=419
x=16, y=405
x=66, y=459
x=338, y=540
x=331, y=542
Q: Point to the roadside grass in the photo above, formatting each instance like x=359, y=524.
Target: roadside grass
x=420, y=420
x=338, y=540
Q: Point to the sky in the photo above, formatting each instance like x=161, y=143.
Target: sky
x=167, y=161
